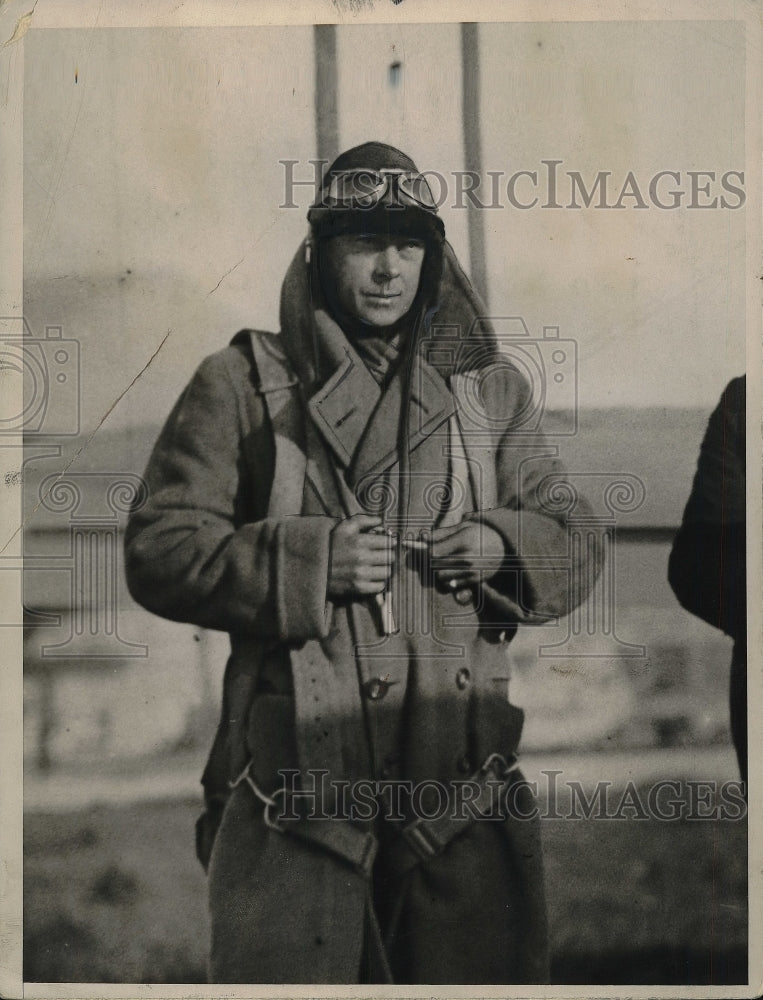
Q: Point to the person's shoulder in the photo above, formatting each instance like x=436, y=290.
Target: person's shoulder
x=236, y=361
x=734, y=397
x=730, y=410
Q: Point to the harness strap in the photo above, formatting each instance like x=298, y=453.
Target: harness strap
x=279, y=385
x=311, y=670
x=375, y=949
x=423, y=839
x=354, y=846
x=419, y=841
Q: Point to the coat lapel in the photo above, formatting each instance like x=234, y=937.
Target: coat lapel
x=342, y=408
x=431, y=406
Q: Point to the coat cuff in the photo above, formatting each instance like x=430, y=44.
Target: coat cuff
x=529, y=593
x=302, y=564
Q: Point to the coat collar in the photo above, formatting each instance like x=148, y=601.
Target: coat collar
x=359, y=421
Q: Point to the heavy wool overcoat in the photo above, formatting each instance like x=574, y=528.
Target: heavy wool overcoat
x=708, y=560
x=244, y=492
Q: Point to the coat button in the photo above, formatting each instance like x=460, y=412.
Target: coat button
x=463, y=596
x=464, y=764
x=376, y=688
x=463, y=677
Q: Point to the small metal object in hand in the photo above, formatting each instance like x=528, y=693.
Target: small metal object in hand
x=384, y=599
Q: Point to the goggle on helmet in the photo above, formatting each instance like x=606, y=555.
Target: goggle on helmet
x=364, y=189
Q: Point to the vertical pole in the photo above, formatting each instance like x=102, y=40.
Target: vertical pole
x=470, y=76
x=326, y=115
x=47, y=718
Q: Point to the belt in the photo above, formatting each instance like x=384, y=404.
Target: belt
x=423, y=839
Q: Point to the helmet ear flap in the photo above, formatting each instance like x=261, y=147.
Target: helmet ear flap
x=431, y=273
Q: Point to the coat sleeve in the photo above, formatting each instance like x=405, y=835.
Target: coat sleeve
x=544, y=575
x=193, y=551
x=707, y=565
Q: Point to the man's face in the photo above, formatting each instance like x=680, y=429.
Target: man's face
x=374, y=277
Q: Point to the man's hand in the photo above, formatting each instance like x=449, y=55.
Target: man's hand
x=464, y=554
x=361, y=559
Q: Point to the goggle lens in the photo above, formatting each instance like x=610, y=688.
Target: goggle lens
x=366, y=188
x=417, y=187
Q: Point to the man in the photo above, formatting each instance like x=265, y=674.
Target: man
x=708, y=561
x=355, y=502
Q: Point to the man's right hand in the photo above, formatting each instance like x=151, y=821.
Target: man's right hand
x=361, y=558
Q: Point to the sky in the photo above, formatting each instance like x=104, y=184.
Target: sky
x=153, y=179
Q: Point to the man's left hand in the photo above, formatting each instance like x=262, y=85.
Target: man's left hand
x=463, y=554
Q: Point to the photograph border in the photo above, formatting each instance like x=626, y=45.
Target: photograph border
x=16, y=22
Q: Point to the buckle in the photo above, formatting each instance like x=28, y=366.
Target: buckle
x=506, y=766
x=422, y=840
x=268, y=801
